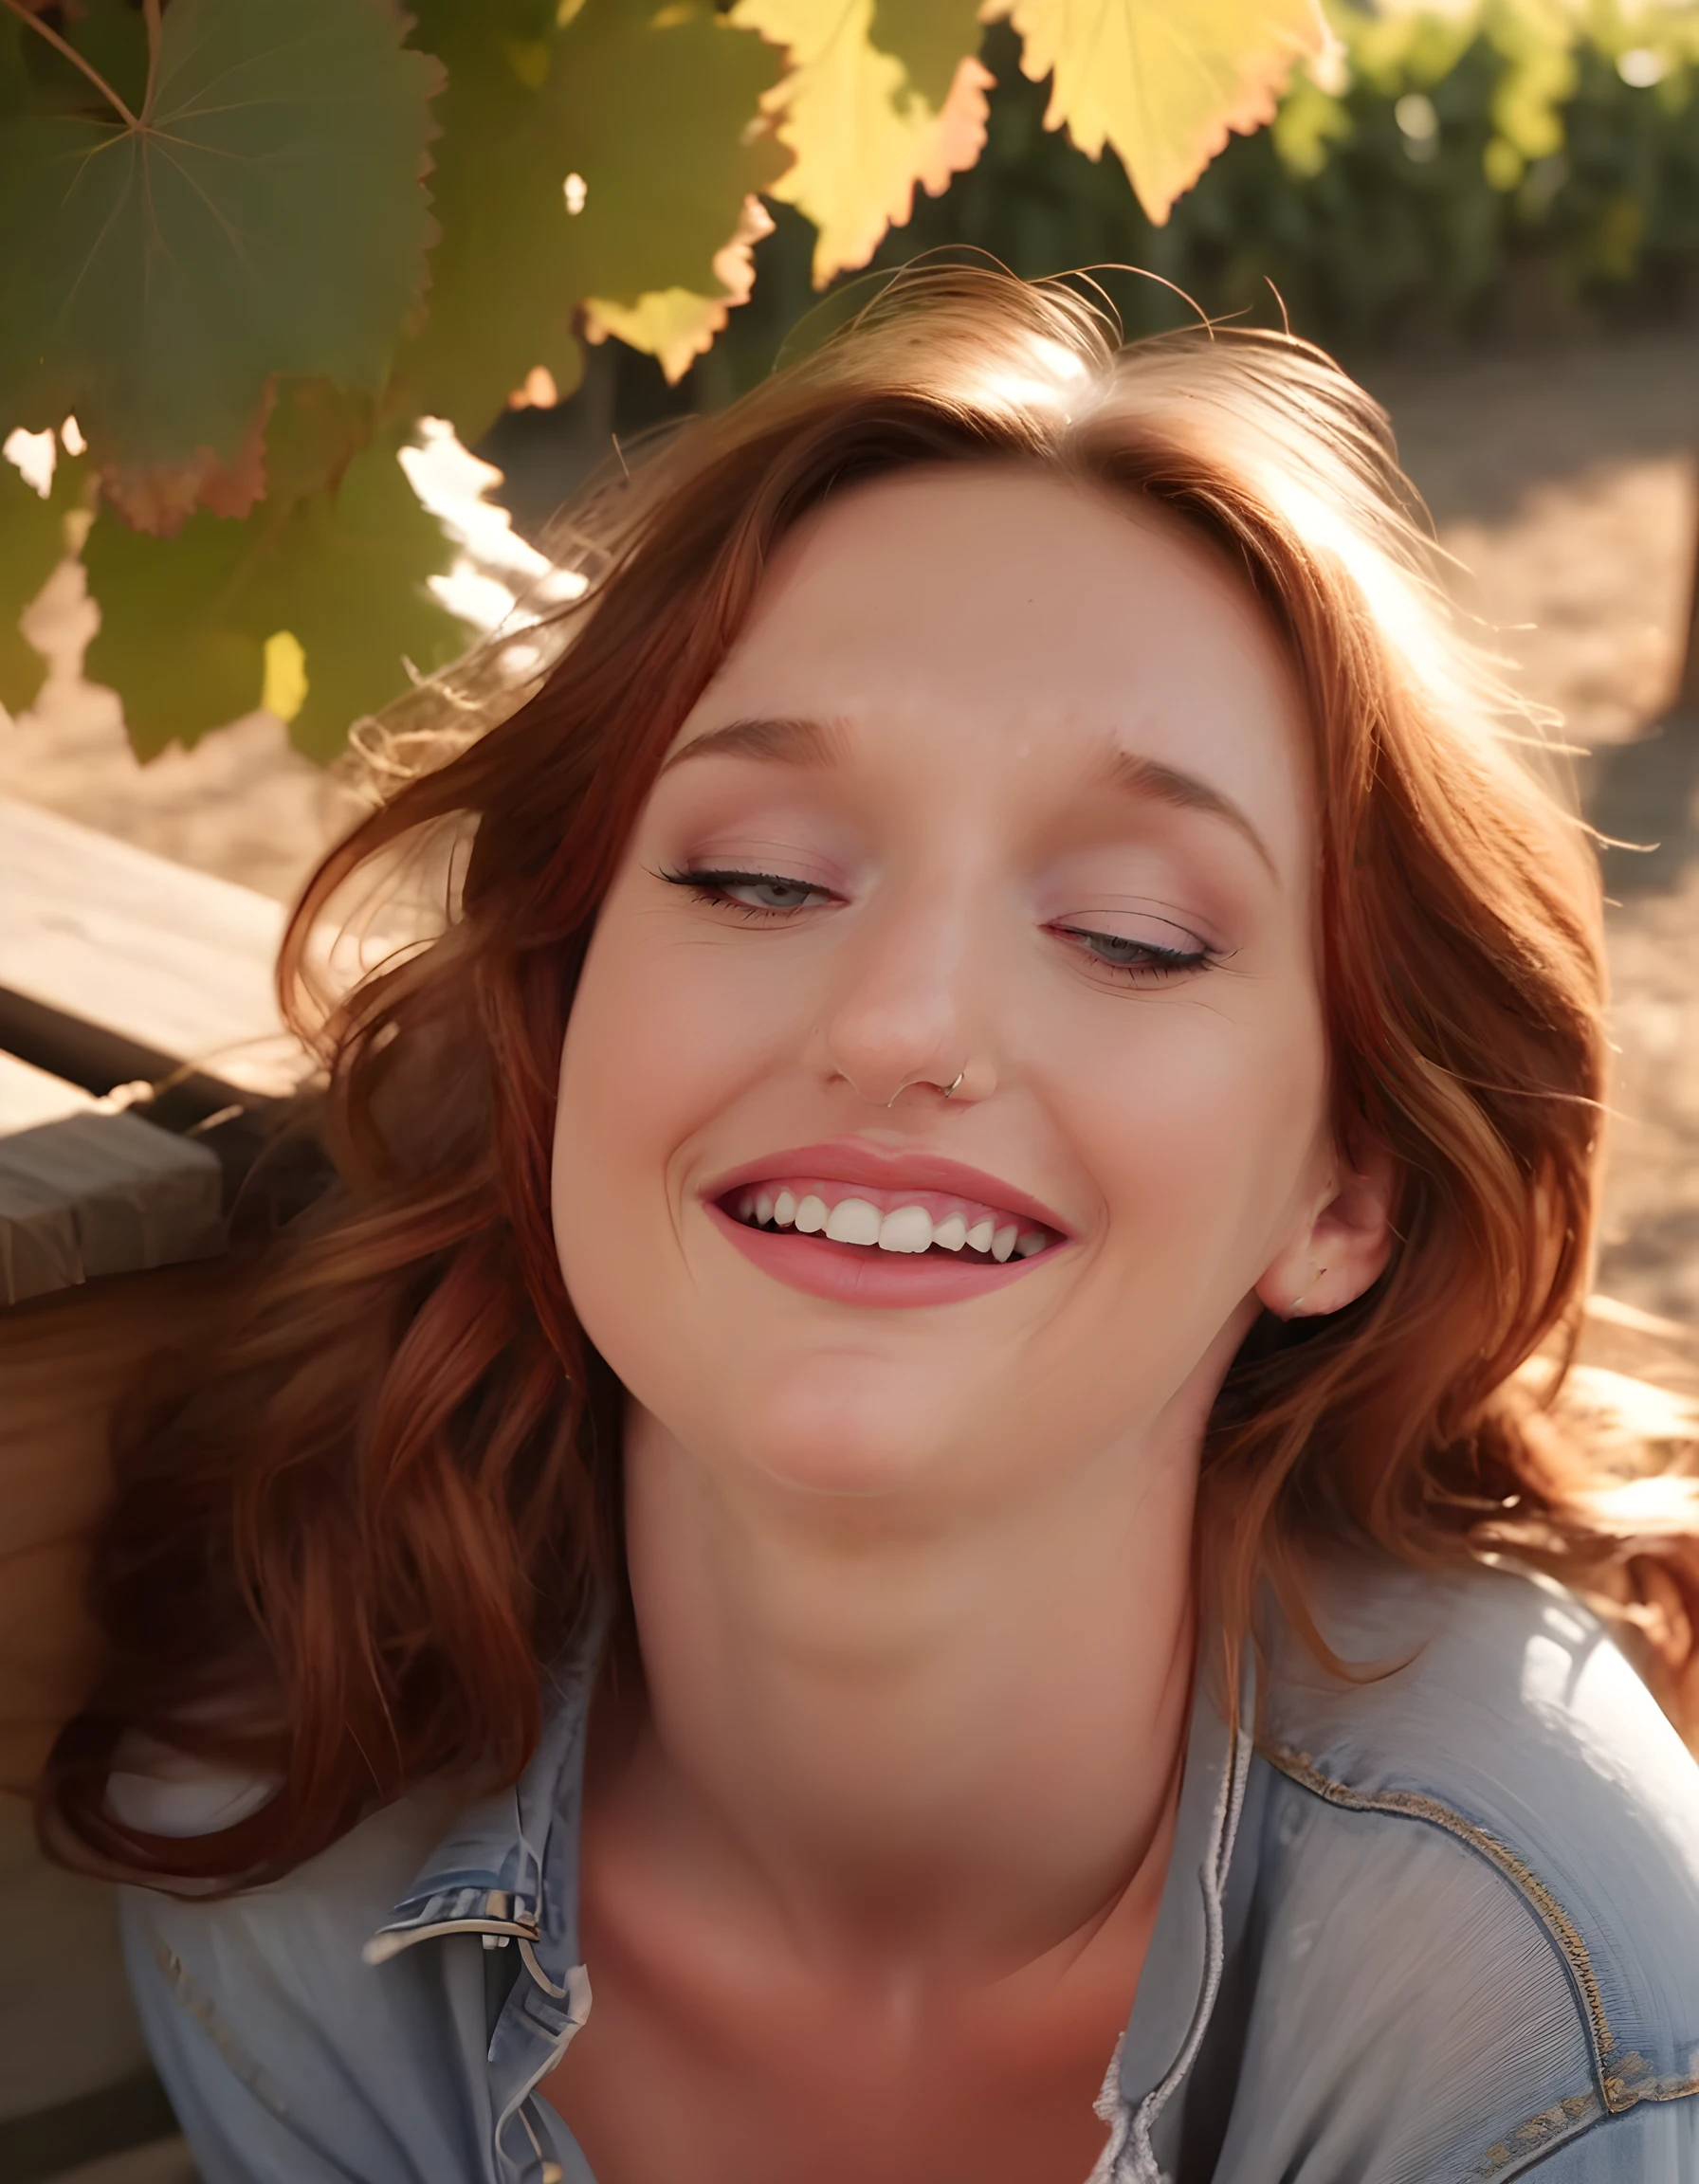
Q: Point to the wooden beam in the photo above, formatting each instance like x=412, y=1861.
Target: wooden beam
x=175, y=962
x=30, y=1096
x=95, y=1194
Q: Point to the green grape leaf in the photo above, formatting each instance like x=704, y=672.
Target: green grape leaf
x=315, y=431
x=649, y=110
x=111, y=35
x=655, y=105
x=348, y=580
x=171, y=641
x=498, y=303
x=33, y=541
x=264, y=214
x=185, y=621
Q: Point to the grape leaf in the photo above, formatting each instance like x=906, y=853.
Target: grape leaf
x=348, y=581
x=316, y=430
x=930, y=38
x=265, y=214
x=674, y=325
x=111, y=35
x=32, y=544
x=654, y=107
x=170, y=641
x=863, y=134
x=498, y=298
x=1162, y=80
x=649, y=110
x=185, y=621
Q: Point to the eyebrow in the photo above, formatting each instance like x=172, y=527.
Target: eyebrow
x=785, y=741
x=790, y=741
x=1150, y=778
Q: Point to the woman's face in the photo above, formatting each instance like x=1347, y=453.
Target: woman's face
x=1003, y=786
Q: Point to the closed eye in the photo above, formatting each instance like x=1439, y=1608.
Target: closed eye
x=1142, y=962
x=757, y=894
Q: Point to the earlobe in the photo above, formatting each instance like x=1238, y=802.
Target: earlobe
x=1343, y=1248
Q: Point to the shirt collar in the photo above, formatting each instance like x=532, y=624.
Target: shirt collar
x=509, y=1866
x=1189, y=1943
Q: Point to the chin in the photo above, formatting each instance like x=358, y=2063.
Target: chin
x=846, y=1429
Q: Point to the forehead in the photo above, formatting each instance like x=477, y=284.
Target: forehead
x=995, y=613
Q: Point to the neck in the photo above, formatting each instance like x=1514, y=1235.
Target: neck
x=907, y=1730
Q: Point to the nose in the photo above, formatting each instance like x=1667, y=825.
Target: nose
x=905, y=1012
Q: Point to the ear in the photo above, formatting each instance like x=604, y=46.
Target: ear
x=1343, y=1245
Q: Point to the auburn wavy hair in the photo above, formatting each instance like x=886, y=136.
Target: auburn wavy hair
x=352, y=1527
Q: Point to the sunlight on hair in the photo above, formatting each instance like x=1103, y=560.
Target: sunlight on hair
x=1052, y=383
x=1410, y=619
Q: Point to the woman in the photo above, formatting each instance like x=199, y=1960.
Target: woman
x=902, y=1446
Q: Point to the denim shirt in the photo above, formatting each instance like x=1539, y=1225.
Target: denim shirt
x=1436, y=1923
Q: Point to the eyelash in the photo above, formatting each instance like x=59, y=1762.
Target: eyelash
x=712, y=887
x=1152, y=965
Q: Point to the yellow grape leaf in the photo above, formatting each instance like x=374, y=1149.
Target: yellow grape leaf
x=674, y=324
x=1162, y=80
x=862, y=135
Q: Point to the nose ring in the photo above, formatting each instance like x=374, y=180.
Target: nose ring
x=947, y=1090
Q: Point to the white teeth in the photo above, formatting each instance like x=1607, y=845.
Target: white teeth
x=906, y=1229
x=853, y=1221
x=909, y=1230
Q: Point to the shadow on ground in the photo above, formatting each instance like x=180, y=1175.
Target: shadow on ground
x=1643, y=797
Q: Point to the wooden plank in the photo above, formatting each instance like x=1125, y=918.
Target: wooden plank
x=172, y=960
x=30, y=1096
x=93, y=1194
x=65, y=1361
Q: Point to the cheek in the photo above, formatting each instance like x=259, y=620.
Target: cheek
x=653, y=1051
x=1200, y=1131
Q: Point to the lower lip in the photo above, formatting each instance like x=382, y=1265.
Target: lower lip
x=847, y=1274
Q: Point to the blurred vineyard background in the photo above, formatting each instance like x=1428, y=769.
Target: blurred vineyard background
x=1488, y=208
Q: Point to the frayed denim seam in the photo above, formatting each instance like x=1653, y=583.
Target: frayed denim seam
x=1130, y=2157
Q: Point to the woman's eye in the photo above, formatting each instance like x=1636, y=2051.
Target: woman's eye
x=1146, y=960
x=769, y=891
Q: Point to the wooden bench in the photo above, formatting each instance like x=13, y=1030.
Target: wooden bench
x=139, y=1046
x=140, y=1051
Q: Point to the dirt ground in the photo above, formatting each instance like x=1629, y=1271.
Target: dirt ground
x=1565, y=484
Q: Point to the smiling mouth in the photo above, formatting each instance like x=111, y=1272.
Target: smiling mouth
x=919, y=1225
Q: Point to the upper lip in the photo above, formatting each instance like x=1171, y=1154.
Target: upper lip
x=855, y=1160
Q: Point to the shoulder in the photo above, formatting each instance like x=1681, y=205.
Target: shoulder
x=287, y=2055
x=1500, y=1814
x=298, y=1940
